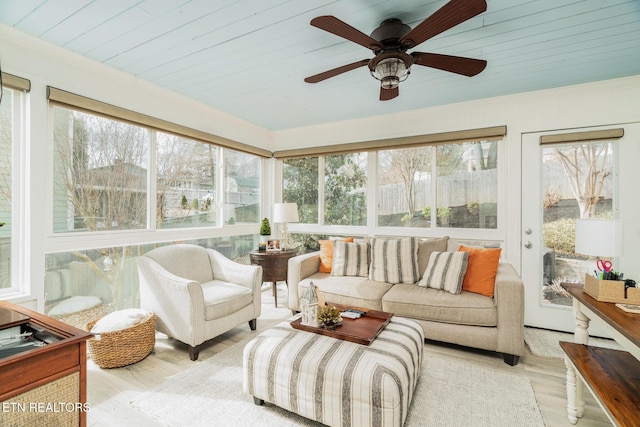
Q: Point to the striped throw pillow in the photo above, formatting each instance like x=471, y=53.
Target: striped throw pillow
x=350, y=259
x=394, y=260
x=446, y=271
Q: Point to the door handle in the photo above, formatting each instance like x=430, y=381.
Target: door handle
x=528, y=244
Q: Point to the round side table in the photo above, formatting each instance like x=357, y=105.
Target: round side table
x=274, y=267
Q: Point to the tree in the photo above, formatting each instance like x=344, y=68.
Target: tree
x=586, y=167
x=300, y=186
x=405, y=166
x=345, y=189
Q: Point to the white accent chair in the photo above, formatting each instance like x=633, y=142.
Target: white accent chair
x=197, y=293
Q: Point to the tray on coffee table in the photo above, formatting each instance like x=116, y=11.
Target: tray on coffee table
x=362, y=330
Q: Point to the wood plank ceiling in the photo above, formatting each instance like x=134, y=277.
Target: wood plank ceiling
x=249, y=57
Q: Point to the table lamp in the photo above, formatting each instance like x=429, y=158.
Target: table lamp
x=599, y=237
x=285, y=213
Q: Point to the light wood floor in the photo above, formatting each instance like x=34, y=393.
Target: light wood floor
x=111, y=390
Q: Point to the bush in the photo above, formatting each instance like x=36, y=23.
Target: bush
x=560, y=235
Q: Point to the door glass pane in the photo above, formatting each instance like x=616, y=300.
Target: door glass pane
x=577, y=182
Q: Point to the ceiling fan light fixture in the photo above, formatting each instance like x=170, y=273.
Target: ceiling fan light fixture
x=392, y=69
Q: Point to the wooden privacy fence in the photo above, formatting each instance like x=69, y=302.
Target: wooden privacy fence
x=453, y=190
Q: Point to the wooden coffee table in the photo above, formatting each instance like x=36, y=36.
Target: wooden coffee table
x=362, y=330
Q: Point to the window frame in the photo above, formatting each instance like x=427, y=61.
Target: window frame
x=372, y=228
x=19, y=283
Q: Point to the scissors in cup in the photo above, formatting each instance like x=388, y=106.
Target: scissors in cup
x=604, y=266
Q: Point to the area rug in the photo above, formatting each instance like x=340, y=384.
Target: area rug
x=449, y=393
x=543, y=342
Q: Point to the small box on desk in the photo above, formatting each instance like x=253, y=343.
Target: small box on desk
x=610, y=290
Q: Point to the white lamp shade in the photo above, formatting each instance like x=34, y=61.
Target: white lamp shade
x=599, y=237
x=285, y=212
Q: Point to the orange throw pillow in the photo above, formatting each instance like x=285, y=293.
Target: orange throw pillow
x=481, y=270
x=326, y=254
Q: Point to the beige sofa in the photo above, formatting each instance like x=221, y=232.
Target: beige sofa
x=467, y=319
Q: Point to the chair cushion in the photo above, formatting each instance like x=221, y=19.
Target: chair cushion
x=184, y=260
x=223, y=298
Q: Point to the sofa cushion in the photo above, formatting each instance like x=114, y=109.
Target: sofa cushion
x=422, y=303
x=326, y=253
x=350, y=259
x=223, y=298
x=481, y=270
x=445, y=271
x=394, y=260
x=426, y=246
x=354, y=291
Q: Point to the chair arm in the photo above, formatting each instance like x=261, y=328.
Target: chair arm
x=234, y=272
x=299, y=268
x=176, y=301
x=509, y=299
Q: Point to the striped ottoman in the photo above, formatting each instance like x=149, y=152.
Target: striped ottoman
x=336, y=382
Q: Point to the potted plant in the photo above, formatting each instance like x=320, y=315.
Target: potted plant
x=329, y=316
x=265, y=232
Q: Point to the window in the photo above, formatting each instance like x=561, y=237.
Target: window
x=100, y=178
x=8, y=109
x=241, y=187
x=300, y=185
x=107, y=277
x=186, y=182
x=465, y=186
x=404, y=187
x=578, y=181
x=345, y=189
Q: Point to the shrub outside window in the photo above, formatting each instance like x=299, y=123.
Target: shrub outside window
x=300, y=185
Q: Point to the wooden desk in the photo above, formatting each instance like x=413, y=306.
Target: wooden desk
x=613, y=376
x=275, y=266
x=44, y=385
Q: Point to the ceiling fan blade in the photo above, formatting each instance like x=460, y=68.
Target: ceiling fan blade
x=334, y=72
x=387, y=94
x=346, y=31
x=448, y=16
x=455, y=64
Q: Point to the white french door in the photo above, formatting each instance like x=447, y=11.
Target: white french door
x=554, y=195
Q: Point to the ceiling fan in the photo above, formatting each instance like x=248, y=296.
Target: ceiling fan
x=391, y=40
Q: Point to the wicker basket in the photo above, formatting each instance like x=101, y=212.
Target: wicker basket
x=124, y=347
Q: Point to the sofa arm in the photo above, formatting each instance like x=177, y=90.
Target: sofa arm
x=509, y=299
x=300, y=267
